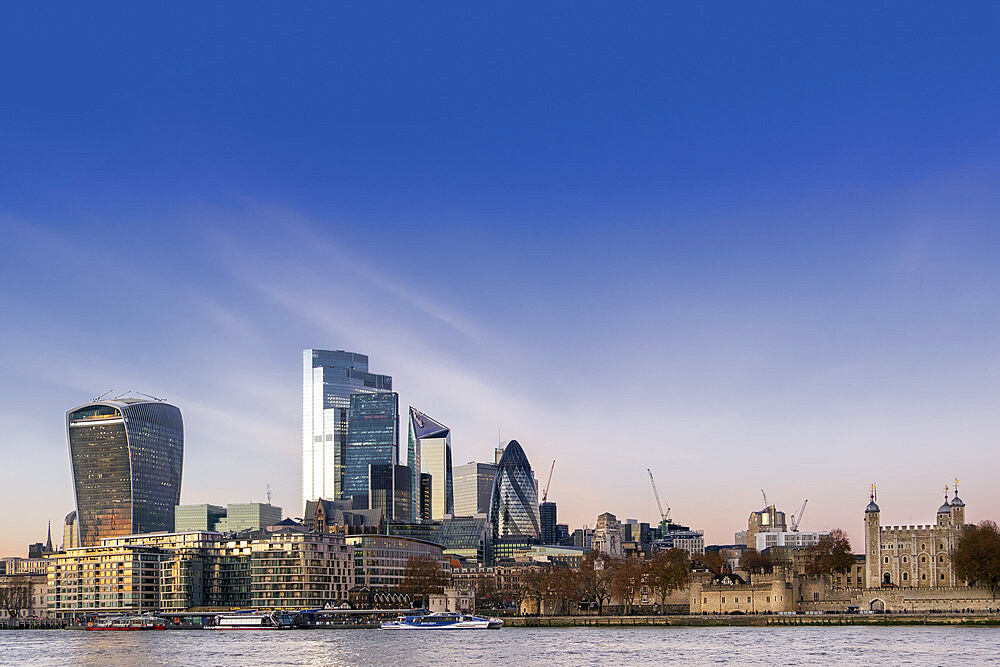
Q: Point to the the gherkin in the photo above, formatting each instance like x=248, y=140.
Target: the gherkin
x=514, y=502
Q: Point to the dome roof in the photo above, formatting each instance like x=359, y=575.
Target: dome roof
x=944, y=509
x=957, y=502
x=872, y=507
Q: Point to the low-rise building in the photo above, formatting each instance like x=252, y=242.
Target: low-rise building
x=380, y=560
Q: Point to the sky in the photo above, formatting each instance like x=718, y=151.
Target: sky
x=750, y=247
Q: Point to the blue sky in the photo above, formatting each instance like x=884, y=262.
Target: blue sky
x=746, y=246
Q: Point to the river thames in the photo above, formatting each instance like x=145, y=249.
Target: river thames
x=906, y=645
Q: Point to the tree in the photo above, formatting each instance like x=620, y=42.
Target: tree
x=486, y=592
x=626, y=580
x=755, y=562
x=667, y=572
x=562, y=584
x=595, y=578
x=712, y=561
x=977, y=556
x=831, y=554
x=15, y=596
x=423, y=577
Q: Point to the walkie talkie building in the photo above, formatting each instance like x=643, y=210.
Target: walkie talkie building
x=127, y=457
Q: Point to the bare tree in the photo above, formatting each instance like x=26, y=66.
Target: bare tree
x=668, y=571
x=977, y=556
x=15, y=597
x=626, y=581
x=755, y=562
x=423, y=577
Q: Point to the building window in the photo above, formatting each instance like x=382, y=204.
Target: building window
x=941, y=559
x=942, y=576
x=904, y=559
x=886, y=559
x=923, y=576
x=906, y=577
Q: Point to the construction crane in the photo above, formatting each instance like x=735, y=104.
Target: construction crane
x=765, y=498
x=664, y=516
x=545, y=493
x=797, y=518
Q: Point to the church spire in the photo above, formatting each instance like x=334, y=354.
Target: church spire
x=48, y=542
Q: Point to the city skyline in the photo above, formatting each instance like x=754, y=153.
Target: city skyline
x=757, y=254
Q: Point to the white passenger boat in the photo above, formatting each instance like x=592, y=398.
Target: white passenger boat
x=253, y=621
x=126, y=622
x=448, y=620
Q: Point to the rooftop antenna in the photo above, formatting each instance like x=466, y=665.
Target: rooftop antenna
x=104, y=394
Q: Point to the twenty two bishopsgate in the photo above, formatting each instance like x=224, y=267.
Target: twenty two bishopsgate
x=329, y=378
x=127, y=457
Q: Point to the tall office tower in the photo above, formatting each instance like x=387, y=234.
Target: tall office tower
x=473, y=485
x=432, y=441
x=514, y=501
x=329, y=377
x=71, y=532
x=413, y=463
x=127, y=456
x=372, y=438
x=389, y=490
x=424, y=507
x=547, y=515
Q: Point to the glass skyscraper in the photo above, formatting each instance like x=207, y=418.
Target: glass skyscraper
x=389, y=490
x=514, y=502
x=429, y=449
x=329, y=377
x=473, y=486
x=372, y=438
x=127, y=457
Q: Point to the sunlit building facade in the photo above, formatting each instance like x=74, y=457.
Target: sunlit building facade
x=127, y=457
x=473, y=484
x=514, y=502
x=329, y=377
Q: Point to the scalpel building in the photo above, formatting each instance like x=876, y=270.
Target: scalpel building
x=126, y=456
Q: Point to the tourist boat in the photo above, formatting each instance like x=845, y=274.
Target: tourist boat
x=138, y=622
x=447, y=620
x=253, y=621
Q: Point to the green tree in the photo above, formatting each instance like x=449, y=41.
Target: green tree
x=667, y=572
x=977, y=556
x=832, y=554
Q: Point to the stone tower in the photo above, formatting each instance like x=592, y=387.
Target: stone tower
x=873, y=545
x=957, y=509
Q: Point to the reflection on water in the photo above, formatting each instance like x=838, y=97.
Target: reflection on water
x=513, y=646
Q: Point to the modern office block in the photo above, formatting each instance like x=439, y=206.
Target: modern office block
x=127, y=457
x=514, y=501
x=389, y=490
x=198, y=517
x=372, y=438
x=547, y=516
x=473, y=484
x=251, y=516
x=425, y=497
x=329, y=377
x=433, y=444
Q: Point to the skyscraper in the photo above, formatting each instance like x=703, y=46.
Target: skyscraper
x=473, y=484
x=514, y=501
x=127, y=457
x=372, y=438
x=429, y=443
x=329, y=377
x=547, y=515
x=389, y=490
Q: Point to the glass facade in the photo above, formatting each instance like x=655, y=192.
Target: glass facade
x=473, y=485
x=372, y=438
x=251, y=516
x=127, y=457
x=198, y=517
x=389, y=490
x=514, y=502
x=432, y=448
x=547, y=515
x=329, y=377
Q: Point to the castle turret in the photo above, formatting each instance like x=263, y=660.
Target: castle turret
x=944, y=512
x=873, y=546
x=957, y=509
